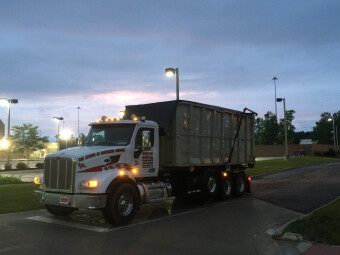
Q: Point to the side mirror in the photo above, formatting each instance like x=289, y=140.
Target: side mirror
x=81, y=140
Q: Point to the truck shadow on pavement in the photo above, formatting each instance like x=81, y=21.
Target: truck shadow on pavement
x=147, y=213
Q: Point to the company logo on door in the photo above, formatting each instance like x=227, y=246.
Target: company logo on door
x=147, y=159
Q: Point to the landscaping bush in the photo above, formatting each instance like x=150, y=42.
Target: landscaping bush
x=9, y=180
x=21, y=166
x=8, y=167
x=39, y=165
x=330, y=153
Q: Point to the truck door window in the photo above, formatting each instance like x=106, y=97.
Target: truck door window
x=144, y=139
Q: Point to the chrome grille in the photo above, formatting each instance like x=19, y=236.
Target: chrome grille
x=58, y=173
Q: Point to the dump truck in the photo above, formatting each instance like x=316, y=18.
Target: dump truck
x=157, y=151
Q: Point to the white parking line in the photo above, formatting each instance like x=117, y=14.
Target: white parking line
x=105, y=230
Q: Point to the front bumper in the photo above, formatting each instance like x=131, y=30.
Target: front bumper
x=87, y=201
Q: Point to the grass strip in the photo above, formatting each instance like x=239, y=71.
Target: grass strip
x=268, y=166
x=321, y=226
x=18, y=198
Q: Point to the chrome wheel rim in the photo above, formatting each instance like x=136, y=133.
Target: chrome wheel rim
x=125, y=204
x=212, y=184
x=227, y=187
x=242, y=185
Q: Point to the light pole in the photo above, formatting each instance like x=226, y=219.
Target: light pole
x=275, y=79
x=58, y=119
x=9, y=102
x=332, y=119
x=78, y=119
x=286, y=157
x=170, y=72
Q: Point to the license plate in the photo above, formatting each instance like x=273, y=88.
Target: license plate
x=64, y=200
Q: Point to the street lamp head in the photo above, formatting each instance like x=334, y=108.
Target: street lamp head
x=279, y=99
x=4, y=144
x=170, y=72
x=4, y=102
x=274, y=78
x=13, y=101
x=58, y=118
x=330, y=119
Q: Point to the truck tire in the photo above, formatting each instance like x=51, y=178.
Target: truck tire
x=59, y=210
x=210, y=184
x=240, y=184
x=226, y=188
x=121, y=205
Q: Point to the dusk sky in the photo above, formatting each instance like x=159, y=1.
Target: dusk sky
x=103, y=55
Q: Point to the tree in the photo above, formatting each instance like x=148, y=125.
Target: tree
x=266, y=129
x=323, y=131
x=292, y=139
x=26, y=139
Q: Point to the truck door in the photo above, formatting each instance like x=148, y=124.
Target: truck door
x=144, y=153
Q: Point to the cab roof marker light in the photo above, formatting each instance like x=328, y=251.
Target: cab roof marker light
x=121, y=114
x=121, y=173
x=104, y=118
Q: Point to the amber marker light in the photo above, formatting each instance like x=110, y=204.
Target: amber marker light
x=134, y=171
x=93, y=184
x=135, y=118
x=225, y=174
x=121, y=172
x=37, y=180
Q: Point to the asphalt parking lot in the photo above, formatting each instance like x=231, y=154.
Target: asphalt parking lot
x=302, y=189
x=237, y=226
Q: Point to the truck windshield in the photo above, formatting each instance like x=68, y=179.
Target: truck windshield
x=115, y=135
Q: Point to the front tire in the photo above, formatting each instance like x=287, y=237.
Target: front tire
x=59, y=210
x=121, y=205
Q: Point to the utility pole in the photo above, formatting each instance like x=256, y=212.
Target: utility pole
x=286, y=156
x=275, y=79
x=78, y=119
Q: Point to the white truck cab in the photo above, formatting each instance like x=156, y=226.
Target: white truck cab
x=115, y=151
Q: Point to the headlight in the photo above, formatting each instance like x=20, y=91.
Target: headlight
x=92, y=184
